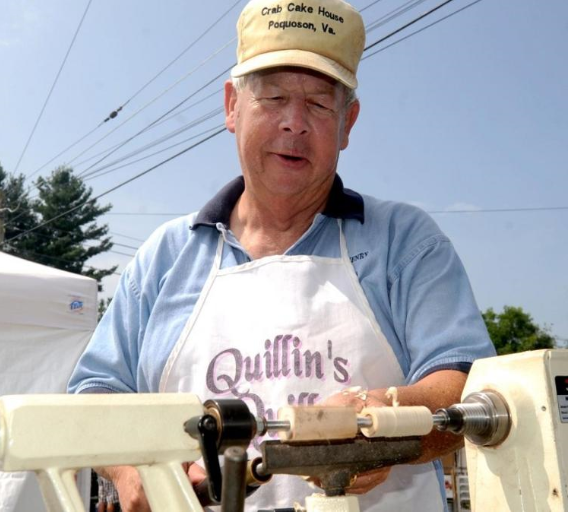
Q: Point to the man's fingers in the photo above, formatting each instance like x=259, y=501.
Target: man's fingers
x=196, y=474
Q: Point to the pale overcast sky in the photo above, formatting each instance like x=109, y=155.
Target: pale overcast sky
x=470, y=114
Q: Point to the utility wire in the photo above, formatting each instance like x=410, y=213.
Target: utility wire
x=92, y=177
x=125, y=246
x=92, y=200
x=63, y=151
x=127, y=237
x=206, y=117
x=45, y=237
x=395, y=13
x=388, y=36
x=520, y=209
x=368, y=6
x=173, y=115
x=417, y=31
x=119, y=253
x=53, y=86
x=159, y=119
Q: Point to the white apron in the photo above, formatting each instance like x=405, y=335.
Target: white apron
x=292, y=330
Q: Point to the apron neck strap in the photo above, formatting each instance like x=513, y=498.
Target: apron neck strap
x=343, y=242
x=218, y=253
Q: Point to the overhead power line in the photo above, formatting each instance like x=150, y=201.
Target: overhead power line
x=63, y=151
x=166, y=137
x=481, y=211
x=102, y=173
x=53, y=86
x=121, y=253
x=127, y=237
x=168, y=118
x=159, y=119
x=400, y=29
x=417, y=31
x=125, y=246
x=369, y=6
x=395, y=13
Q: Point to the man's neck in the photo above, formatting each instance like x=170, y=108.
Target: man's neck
x=271, y=227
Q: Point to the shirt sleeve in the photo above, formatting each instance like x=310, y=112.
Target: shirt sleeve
x=435, y=314
x=110, y=360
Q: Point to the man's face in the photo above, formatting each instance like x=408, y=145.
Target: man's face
x=290, y=125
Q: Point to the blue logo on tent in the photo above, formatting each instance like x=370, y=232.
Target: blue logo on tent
x=76, y=305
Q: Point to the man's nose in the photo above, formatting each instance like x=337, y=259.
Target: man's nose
x=294, y=118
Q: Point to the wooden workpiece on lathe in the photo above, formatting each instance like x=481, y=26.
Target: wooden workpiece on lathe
x=397, y=421
x=318, y=423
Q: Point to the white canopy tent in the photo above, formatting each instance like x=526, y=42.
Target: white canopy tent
x=47, y=317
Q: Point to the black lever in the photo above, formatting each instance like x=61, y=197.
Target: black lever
x=226, y=424
x=206, y=430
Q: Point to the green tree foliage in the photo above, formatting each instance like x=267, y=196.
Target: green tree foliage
x=103, y=306
x=514, y=331
x=62, y=242
x=16, y=216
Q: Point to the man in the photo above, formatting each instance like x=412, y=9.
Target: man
x=287, y=288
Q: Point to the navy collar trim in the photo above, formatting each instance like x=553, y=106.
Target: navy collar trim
x=343, y=203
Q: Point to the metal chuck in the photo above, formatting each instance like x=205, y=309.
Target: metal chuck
x=483, y=418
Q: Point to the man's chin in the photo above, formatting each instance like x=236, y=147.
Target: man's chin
x=286, y=183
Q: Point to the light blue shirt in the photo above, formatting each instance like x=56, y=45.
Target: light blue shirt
x=408, y=269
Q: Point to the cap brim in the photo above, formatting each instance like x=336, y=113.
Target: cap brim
x=300, y=58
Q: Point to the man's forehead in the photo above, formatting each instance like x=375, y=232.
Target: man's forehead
x=289, y=75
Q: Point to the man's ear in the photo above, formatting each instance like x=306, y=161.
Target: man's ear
x=350, y=118
x=230, y=101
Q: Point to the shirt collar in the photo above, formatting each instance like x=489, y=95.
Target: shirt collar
x=342, y=203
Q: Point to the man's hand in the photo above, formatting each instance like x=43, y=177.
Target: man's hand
x=195, y=473
x=131, y=494
x=356, y=397
x=127, y=482
x=359, y=399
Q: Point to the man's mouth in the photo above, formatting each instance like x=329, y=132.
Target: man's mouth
x=292, y=159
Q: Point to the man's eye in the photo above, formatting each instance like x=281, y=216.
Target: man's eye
x=321, y=106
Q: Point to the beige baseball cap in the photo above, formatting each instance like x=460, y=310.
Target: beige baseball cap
x=323, y=35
